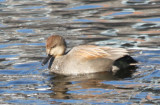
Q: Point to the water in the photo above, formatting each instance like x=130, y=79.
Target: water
x=25, y=24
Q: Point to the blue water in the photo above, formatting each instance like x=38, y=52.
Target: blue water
x=85, y=7
x=26, y=24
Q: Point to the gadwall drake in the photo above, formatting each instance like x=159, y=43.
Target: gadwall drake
x=82, y=59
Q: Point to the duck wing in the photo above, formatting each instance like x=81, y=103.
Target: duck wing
x=95, y=52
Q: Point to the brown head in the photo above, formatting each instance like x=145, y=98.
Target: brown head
x=55, y=46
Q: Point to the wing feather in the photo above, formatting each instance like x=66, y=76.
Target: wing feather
x=93, y=52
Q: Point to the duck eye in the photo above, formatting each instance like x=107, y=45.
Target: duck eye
x=53, y=46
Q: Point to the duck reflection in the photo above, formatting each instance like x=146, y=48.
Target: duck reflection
x=68, y=87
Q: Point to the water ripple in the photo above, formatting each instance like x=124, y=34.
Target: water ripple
x=85, y=7
x=26, y=24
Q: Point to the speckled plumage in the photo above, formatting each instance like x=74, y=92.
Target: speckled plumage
x=81, y=59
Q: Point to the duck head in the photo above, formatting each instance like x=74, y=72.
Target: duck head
x=55, y=46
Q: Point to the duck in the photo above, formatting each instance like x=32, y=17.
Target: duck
x=84, y=59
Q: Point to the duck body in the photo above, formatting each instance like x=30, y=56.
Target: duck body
x=74, y=64
x=81, y=59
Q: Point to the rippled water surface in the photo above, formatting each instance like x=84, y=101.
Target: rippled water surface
x=25, y=25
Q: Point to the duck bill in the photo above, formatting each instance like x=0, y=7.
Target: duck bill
x=50, y=62
x=46, y=59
